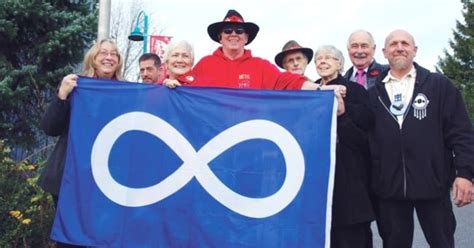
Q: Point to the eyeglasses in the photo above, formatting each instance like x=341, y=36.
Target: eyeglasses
x=105, y=53
x=237, y=30
x=326, y=57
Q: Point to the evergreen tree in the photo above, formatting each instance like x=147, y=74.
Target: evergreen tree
x=40, y=43
x=459, y=66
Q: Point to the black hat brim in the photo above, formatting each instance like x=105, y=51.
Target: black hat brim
x=308, y=52
x=216, y=28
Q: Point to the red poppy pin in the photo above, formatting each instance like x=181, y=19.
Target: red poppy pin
x=190, y=78
x=374, y=73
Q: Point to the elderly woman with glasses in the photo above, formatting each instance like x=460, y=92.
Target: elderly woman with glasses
x=352, y=209
x=103, y=60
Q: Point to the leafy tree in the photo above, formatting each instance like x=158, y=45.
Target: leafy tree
x=40, y=42
x=459, y=66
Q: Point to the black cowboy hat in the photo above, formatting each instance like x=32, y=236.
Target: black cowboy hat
x=292, y=46
x=232, y=17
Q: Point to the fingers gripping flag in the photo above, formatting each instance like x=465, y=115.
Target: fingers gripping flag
x=148, y=166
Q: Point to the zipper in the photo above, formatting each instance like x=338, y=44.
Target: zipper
x=401, y=143
x=408, y=107
x=403, y=166
x=388, y=110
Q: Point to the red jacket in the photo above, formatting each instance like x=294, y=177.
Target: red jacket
x=244, y=72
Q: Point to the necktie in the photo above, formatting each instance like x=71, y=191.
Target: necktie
x=360, y=77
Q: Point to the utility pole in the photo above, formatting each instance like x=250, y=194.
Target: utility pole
x=104, y=20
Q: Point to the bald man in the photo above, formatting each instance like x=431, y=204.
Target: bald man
x=422, y=145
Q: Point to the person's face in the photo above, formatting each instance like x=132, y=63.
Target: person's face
x=327, y=65
x=361, y=50
x=295, y=62
x=106, y=61
x=400, y=50
x=179, y=62
x=233, y=37
x=149, y=72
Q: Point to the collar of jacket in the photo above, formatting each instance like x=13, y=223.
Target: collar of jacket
x=421, y=75
x=220, y=53
x=340, y=80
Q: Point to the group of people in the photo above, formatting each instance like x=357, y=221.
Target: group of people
x=404, y=137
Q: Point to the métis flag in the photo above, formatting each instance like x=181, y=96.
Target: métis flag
x=149, y=166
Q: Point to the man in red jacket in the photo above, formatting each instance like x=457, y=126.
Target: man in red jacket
x=233, y=66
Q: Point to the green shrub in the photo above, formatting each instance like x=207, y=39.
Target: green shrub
x=26, y=211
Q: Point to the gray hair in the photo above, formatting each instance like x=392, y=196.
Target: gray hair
x=333, y=51
x=181, y=44
x=371, y=38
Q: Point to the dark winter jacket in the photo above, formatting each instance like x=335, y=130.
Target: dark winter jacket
x=435, y=143
x=351, y=201
x=55, y=122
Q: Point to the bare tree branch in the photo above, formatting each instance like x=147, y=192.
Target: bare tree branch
x=124, y=15
x=123, y=19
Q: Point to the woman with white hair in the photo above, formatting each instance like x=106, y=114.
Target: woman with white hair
x=352, y=207
x=179, y=60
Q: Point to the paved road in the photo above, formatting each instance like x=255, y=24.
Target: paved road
x=464, y=236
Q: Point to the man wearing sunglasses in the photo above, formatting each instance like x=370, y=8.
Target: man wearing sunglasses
x=233, y=66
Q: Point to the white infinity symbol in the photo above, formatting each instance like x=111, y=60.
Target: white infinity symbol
x=195, y=164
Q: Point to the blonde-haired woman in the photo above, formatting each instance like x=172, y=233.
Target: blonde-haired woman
x=103, y=60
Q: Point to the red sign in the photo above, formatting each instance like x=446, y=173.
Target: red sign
x=158, y=44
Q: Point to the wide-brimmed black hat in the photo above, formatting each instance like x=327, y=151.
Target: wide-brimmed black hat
x=232, y=17
x=292, y=46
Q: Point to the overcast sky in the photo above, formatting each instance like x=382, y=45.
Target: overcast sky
x=312, y=23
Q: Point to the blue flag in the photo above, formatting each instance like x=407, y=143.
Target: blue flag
x=149, y=166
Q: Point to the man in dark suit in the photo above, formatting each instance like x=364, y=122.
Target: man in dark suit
x=361, y=50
